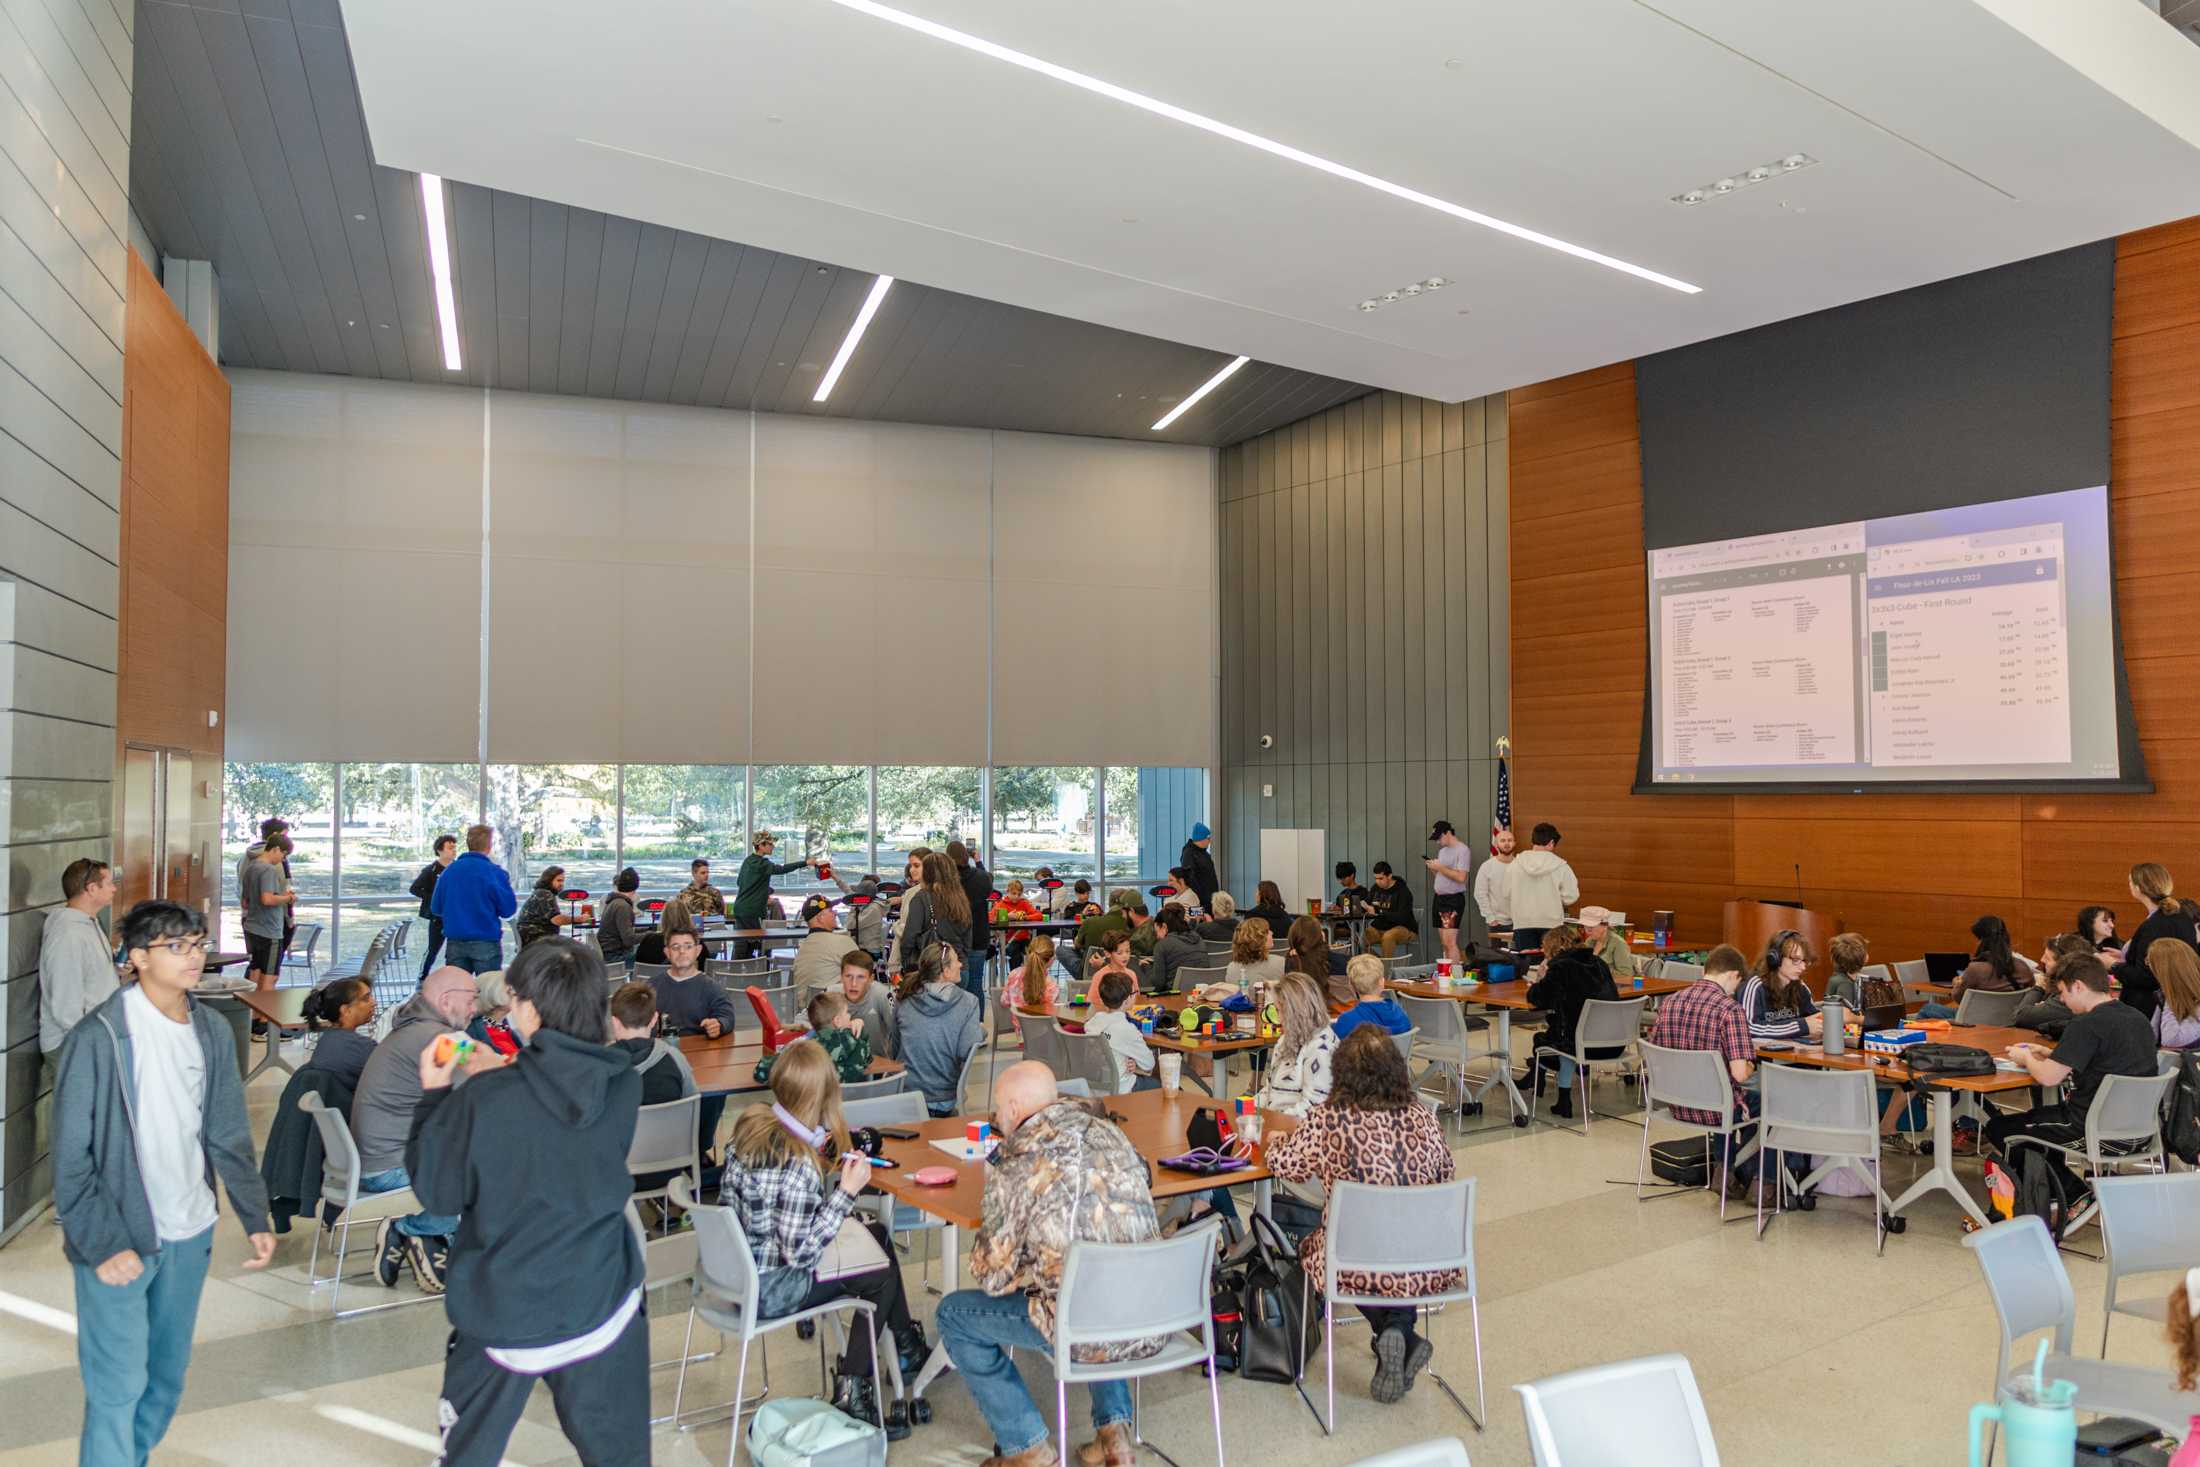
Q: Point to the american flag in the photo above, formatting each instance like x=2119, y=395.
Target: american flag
x=1503, y=819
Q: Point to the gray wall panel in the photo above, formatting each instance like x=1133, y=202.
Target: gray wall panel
x=1363, y=594
x=64, y=216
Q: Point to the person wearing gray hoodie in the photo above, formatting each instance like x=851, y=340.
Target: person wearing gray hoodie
x=939, y=1026
x=149, y=1112
x=1539, y=886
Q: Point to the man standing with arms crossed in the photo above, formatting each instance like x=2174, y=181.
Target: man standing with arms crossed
x=76, y=967
x=423, y=887
x=1449, y=866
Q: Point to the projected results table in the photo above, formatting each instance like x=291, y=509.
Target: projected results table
x=1969, y=658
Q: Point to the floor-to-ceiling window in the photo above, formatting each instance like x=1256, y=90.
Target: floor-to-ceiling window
x=814, y=810
x=305, y=796
x=1044, y=816
x=677, y=812
x=549, y=815
x=1151, y=812
x=926, y=805
x=392, y=815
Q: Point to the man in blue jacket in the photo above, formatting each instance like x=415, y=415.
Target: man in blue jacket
x=148, y=1111
x=472, y=898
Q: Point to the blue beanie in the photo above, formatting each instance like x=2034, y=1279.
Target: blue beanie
x=1200, y=831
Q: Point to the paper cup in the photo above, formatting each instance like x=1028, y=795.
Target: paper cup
x=1248, y=1128
x=1171, y=1067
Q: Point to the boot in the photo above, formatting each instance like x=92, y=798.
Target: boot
x=1039, y=1454
x=1562, y=1105
x=915, y=1351
x=1111, y=1448
x=852, y=1396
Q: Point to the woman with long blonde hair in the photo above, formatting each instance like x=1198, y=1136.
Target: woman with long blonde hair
x=1032, y=988
x=791, y=1178
x=1298, y=1067
x=2176, y=966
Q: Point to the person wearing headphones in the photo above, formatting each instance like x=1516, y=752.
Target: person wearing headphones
x=1775, y=999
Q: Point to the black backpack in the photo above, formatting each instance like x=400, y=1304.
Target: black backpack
x=2181, y=1120
x=2038, y=1188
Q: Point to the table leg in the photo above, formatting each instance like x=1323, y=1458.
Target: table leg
x=1501, y=1051
x=1942, y=1173
x=1222, y=1076
x=273, y=1059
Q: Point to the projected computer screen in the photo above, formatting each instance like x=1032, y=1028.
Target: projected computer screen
x=1967, y=643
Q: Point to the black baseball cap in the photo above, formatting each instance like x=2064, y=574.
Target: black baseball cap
x=1441, y=827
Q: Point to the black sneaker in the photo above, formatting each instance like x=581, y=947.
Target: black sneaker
x=1417, y=1359
x=1390, y=1367
x=427, y=1269
x=389, y=1252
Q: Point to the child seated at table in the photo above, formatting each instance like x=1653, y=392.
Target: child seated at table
x=1132, y=1053
x=871, y=1001
x=665, y=1072
x=1031, y=986
x=1375, y=1006
x=838, y=1032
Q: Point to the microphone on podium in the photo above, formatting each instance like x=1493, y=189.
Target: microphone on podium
x=1798, y=883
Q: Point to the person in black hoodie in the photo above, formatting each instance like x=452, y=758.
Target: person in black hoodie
x=1199, y=866
x=545, y=1273
x=423, y=887
x=1572, y=975
x=977, y=885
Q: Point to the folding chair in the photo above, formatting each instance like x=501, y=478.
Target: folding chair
x=2123, y=1126
x=2146, y=1227
x=1829, y=1113
x=1693, y=1080
x=1646, y=1413
x=1129, y=1291
x=1390, y=1230
x=344, y=1206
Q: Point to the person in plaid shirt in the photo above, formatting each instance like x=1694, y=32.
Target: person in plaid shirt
x=1706, y=1015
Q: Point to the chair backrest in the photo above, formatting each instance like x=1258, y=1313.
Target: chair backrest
x=895, y=1108
x=1687, y=1079
x=1189, y=976
x=666, y=1260
x=1829, y=1112
x=1426, y=1229
x=1405, y=1043
x=1128, y=1291
x=1042, y=1042
x=1989, y=1006
x=1875, y=970
x=776, y=1035
x=725, y=1264
x=2026, y=1280
x=1607, y=1022
x=1436, y=1019
x=1412, y=973
x=873, y=1089
x=643, y=972
x=339, y=1153
x=1089, y=1056
x=2147, y=1222
x=1913, y=970
x=1646, y=1413
x=665, y=1136
x=1079, y=1087
x=1442, y=1451
x=2128, y=1108
x=1679, y=972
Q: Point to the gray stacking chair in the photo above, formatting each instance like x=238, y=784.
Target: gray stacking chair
x=1442, y=1451
x=2148, y=1225
x=1191, y=976
x=1829, y=1113
x=873, y=1089
x=1087, y=1056
x=1129, y=1291
x=1605, y=1024
x=1677, y=971
x=1043, y=1042
x=1442, y=1044
x=340, y=1194
x=1383, y=1230
x=1646, y=1413
x=2123, y=1127
x=665, y=1140
x=1689, y=1079
x=1983, y=1006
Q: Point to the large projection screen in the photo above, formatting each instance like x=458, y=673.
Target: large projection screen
x=1878, y=546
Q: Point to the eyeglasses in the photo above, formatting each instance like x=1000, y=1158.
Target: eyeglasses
x=182, y=947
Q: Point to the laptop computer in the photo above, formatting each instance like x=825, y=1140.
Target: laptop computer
x=1944, y=967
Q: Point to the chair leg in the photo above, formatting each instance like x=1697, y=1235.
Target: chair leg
x=1329, y=1366
x=1214, y=1398
x=687, y=1352
x=740, y=1390
x=1061, y=1423
x=343, y=1245
x=1642, y=1160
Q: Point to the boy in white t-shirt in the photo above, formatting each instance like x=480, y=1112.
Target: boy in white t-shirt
x=148, y=1106
x=1132, y=1053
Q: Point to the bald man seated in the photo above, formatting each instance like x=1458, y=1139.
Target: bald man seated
x=1063, y=1173
x=382, y=1113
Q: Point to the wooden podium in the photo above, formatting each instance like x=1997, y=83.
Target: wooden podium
x=1750, y=925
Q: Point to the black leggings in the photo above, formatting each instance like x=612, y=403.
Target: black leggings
x=1380, y=1319
x=883, y=1289
x=2049, y=1123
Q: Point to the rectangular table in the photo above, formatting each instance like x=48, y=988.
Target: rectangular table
x=1941, y=1174
x=1505, y=999
x=1219, y=1049
x=727, y=1065
x=282, y=1008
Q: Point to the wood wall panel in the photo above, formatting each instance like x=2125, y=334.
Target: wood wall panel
x=1909, y=871
x=173, y=654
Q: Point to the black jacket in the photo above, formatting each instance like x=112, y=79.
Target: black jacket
x=532, y=1159
x=1278, y=920
x=1200, y=867
x=1393, y=907
x=615, y=928
x=1218, y=929
x=291, y=1162
x=2141, y=990
x=423, y=885
x=1570, y=980
x=2041, y=1012
x=977, y=885
x=922, y=925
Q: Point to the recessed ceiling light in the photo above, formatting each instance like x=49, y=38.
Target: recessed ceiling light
x=358, y=218
x=1204, y=388
x=439, y=265
x=1735, y=182
x=1268, y=145
x=879, y=287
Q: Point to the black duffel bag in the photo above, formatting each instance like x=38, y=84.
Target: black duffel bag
x=1686, y=1162
x=1946, y=1061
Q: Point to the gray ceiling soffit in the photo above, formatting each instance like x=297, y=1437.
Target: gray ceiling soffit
x=250, y=150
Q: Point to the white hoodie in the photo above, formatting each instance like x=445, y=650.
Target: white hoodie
x=1539, y=887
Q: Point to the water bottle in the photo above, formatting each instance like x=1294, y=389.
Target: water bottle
x=1834, y=1039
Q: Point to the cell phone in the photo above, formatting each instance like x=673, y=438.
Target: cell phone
x=896, y=1133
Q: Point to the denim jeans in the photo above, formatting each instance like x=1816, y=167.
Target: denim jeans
x=475, y=955
x=973, y=978
x=133, y=1344
x=979, y=1329
x=1936, y=1011
x=419, y=1224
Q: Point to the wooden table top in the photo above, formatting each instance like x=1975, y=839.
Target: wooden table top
x=1995, y=1041
x=282, y=1007
x=1154, y=1120
x=727, y=1065
x=1514, y=994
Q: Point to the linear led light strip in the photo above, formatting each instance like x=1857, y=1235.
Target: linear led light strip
x=1204, y=388
x=1221, y=129
x=825, y=386
x=439, y=265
